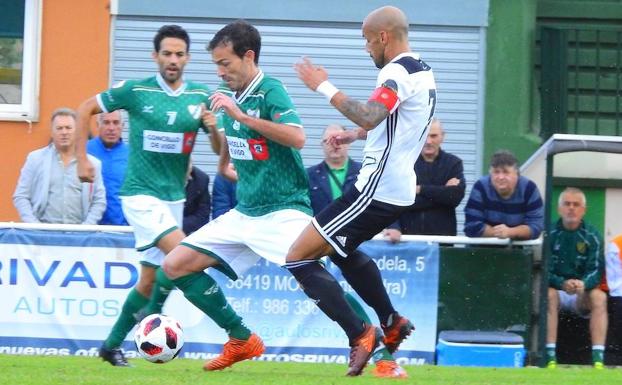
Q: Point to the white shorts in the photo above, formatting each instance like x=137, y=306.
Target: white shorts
x=238, y=241
x=152, y=219
x=570, y=303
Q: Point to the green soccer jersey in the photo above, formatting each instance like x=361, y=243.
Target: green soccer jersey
x=163, y=125
x=271, y=175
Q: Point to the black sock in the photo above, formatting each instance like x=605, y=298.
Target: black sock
x=324, y=289
x=363, y=275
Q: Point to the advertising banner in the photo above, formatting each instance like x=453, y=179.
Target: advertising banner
x=62, y=291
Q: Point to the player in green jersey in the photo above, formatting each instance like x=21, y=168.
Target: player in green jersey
x=263, y=137
x=165, y=113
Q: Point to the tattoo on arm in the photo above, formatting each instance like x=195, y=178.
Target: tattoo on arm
x=367, y=115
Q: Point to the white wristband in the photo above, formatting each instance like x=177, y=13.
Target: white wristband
x=327, y=89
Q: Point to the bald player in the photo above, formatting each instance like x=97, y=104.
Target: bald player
x=394, y=124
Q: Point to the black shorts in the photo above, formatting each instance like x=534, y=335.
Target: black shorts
x=353, y=219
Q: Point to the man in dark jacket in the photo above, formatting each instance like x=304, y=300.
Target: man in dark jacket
x=334, y=175
x=198, y=201
x=440, y=188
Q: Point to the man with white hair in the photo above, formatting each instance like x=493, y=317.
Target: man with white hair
x=109, y=148
x=48, y=189
x=575, y=270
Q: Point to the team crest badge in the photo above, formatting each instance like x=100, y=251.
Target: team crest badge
x=581, y=247
x=253, y=113
x=195, y=111
x=236, y=125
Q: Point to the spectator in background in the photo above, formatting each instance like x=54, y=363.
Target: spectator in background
x=504, y=204
x=223, y=196
x=335, y=174
x=574, y=273
x=48, y=189
x=440, y=189
x=612, y=284
x=198, y=200
x=109, y=148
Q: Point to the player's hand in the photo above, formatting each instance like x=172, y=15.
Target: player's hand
x=342, y=137
x=208, y=118
x=311, y=75
x=453, y=182
x=86, y=171
x=230, y=173
x=222, y=101
x=392, y=235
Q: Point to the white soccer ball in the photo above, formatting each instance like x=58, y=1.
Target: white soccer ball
x=159, y=338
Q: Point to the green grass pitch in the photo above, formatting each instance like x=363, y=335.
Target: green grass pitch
x=70, y=370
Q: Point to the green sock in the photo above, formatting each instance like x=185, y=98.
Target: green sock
x=381, y=353
x=203, y=292
x=598, y=353
x=127, y=319
x=161, y=289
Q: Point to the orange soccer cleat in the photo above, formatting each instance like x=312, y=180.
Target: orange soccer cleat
x=396, y=332
x=235, y=351
x=362, y=349
x=389, y=369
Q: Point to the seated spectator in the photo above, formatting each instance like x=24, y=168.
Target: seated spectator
x=504, y=204
x=223, y=196
x=440, y=189
x=198, y=200
x=574, y=273
x=48, y=189
x=336, y=173
x=109, y=148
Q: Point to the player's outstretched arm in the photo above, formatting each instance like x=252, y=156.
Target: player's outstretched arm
x=90, y=107
x=366, y=115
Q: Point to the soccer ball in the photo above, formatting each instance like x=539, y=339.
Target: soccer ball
x=159, y=338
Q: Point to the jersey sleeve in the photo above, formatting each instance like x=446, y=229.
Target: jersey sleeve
x=280, y=107
x=117, y=97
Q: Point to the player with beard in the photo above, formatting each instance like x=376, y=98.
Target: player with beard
x=165, y=112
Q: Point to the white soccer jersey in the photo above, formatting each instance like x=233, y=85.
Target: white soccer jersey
x=613, y=269
x=391, y=149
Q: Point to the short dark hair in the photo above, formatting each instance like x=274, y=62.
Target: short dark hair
x=170, y=30
x=503, y=158
x=241, y=35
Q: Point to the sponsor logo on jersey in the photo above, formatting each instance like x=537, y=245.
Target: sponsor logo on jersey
x=168, y=142
x=248, y=149
x=147, y=109
x=259, y=148
x=341, y=239
x=189, y=138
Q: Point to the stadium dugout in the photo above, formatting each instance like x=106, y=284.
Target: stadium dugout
x=592, y=163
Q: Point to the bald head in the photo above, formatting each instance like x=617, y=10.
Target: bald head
x=389, y=19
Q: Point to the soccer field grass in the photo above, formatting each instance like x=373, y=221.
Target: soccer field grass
x=54, y=370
